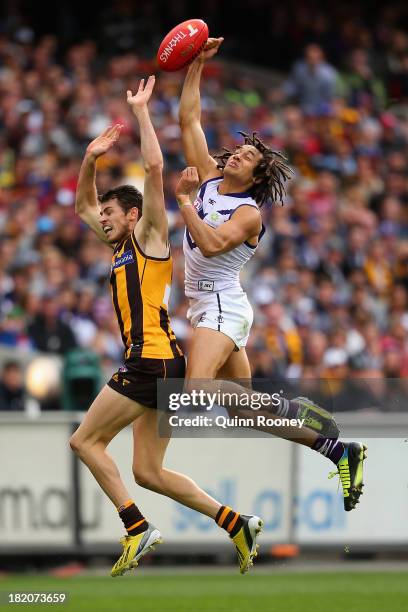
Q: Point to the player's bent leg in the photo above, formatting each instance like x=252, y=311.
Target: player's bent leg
x=109, y=413
x=149, y=451
x=315, y=417
x=148, y=455
x=318, y=424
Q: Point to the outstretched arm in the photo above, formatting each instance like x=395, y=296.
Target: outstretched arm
x=154, y=218
x=245, y=224
x=194, y=142
x=86, y=200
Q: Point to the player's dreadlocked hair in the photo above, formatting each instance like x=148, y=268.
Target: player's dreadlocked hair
x=272, y=170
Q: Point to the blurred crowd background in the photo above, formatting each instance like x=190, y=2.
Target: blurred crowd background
x=328, y=86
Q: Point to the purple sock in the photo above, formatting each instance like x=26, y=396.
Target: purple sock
x=332, y=449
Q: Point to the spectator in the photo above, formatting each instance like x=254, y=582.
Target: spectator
x=331, y=270
x=361, y=88
x=48, y=331
x=312, y=82
x=11, y=387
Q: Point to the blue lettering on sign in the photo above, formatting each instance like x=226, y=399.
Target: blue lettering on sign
x=191, y=519
x=123, y=260
x=320, y=510
x=268, y=505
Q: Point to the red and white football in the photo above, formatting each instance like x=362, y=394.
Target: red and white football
x=182, y=45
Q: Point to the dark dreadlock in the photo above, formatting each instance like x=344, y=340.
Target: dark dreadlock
x=272, y=170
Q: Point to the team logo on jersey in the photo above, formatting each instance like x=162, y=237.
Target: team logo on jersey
x=123, y=260
x=198, y=203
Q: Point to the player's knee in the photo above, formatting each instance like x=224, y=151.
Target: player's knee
x=79, y=445
x=147, y=478
x=75, y=444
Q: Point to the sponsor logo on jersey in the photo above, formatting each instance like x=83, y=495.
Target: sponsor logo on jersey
x=206, y=285
x=123, y=260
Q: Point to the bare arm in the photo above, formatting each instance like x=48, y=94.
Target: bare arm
x=86, y=200
x=245, y=224
x=154, y=218
x=194, y=142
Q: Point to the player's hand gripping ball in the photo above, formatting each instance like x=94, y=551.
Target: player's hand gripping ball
x=182, y=45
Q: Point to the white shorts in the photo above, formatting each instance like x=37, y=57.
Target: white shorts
x=228, y=312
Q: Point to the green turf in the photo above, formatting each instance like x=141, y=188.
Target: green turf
x=324, y=592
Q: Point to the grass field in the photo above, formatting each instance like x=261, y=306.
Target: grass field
x=184, y=592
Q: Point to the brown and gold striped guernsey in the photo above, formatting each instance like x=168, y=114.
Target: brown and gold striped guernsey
x=140, y=287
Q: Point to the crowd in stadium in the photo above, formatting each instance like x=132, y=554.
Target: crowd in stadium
x=329, y=283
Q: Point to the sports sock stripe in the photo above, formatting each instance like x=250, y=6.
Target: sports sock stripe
x=229, y=520
x=128, y=503
x=232, y=523
x=330, y=448
x=224, y=515
x=135, y=525
x=133, y=520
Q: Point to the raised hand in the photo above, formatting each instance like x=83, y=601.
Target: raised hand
x=210, y=48
x=188, y=182
x=142, y=97
x=104, y=141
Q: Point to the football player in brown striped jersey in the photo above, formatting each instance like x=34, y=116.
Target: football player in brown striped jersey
x=136, y=228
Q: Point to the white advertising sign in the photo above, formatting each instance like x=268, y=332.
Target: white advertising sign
x=253, y=476
x=35, y=484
